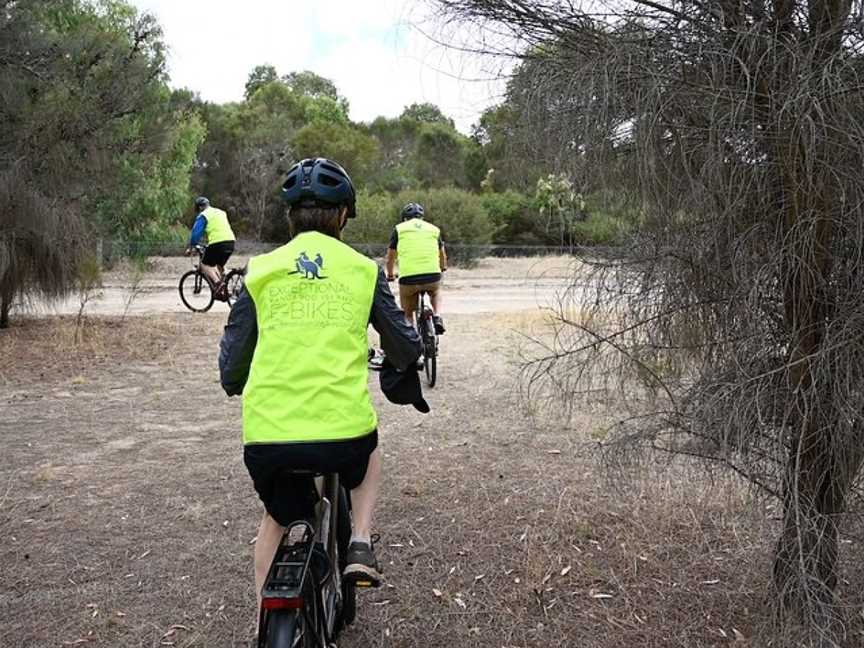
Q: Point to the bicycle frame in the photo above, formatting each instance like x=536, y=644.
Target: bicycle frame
x=291, y=572
x=421, y=315
x=227, y=289
x=423, y=319
x=422, y=310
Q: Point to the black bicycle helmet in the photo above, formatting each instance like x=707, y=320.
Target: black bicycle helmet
x=318, y=180
x=201, y=203
x=412, y=210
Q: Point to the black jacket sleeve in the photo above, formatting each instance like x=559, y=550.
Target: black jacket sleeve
x=238, y=345
x=400, y=342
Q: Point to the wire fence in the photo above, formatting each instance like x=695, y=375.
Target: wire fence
x=111, y=250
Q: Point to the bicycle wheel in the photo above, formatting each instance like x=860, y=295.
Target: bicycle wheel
x=234, y=284
x=196, y=292
x=430, y=344
x=282, y=628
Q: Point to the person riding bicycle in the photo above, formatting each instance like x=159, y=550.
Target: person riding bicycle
x=212, y=223
x=295, y=347
x=422, y=258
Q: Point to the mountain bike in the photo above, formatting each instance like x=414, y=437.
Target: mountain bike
x=305, y=601
x=197, y=291
x=423, y=320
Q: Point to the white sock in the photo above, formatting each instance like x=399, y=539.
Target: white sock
x=358, y=538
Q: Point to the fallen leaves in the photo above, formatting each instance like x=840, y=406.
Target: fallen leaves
x=169, y=638
x=600, y=595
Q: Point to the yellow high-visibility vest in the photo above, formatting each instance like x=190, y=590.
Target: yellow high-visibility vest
x=309, y=373
x=417, y=248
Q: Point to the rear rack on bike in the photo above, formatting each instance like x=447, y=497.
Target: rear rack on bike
x=284, y=585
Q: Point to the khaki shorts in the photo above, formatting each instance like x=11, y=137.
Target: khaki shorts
x=409, y=294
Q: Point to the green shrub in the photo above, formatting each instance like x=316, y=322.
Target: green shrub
x=464, y=222
x=610, y=216
x=512, y=217
x=599, y=229
x=376, y=217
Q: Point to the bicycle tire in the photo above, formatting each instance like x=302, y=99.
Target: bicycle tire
x=431, y=350
x=432, y=369
x=233, y=285
x=282, y=628
x=195, y=289
x=426, y=329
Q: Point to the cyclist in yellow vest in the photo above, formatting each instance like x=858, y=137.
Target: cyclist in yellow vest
x=295, y=346
x=213, y=224
x=422, y=258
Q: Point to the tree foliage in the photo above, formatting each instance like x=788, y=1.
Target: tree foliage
x=260, y=76
x=85, y=119
x=300, y=114
x=737, y=129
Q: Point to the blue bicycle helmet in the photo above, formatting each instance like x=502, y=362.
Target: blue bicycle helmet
x=413, y=210
x=318, y=180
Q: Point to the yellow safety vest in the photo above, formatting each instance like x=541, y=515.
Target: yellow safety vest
x=417, y=248
x=309, y=375
x=218, y=227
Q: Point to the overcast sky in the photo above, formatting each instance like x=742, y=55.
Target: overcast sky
x=372, y=49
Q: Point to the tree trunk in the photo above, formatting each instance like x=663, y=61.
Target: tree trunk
x=805, y=564
x=816, y=478
x=5, y=307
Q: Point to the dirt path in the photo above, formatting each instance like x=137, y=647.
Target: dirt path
x=127, y=516
x=497, y=285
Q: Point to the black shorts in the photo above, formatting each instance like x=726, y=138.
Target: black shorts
x=288, y=497
x=218, y=253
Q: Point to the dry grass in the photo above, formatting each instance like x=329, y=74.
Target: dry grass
x=50, y=349
x=548, y=267
x=532, y=547
x=544, y=267
x=125, y=498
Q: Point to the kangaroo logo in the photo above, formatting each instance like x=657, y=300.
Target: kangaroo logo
x=307, y=267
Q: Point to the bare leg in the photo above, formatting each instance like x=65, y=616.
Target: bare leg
x=212, y=273
x=435, y=298
x=409, y=314
x=363, y=498
x=269, y=535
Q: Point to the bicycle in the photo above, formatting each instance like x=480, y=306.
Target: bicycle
x=305, y=602
x=425, y=323
x=197, y=291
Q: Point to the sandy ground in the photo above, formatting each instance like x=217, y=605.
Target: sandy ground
x=127, y=517
x=496, y=285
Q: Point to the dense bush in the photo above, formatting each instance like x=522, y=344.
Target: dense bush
x=376, y=216
x=506, y=218
x=460, y=215
x=598, y=229
x=519, y=219
x=512, y=217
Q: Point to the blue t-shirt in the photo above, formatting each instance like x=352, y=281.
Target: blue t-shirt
x=198, y=229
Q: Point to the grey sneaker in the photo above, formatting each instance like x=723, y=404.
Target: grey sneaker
x=375, y=360
x=362, y=568
x=439, y=324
